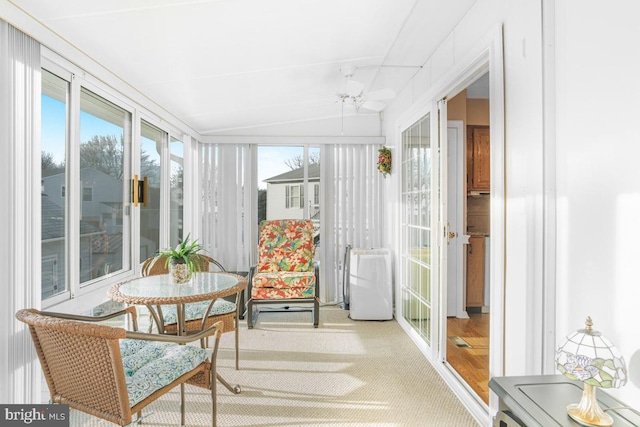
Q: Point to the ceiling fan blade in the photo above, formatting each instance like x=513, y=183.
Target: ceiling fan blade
x=374, y=105
x=381, y=94
x=354, y=88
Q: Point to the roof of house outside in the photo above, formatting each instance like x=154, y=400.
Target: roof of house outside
x=52, y=223
x=296, y=175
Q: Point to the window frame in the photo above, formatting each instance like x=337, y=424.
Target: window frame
x=73, y=196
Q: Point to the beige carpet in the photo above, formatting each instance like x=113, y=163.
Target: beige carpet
x=345, y=373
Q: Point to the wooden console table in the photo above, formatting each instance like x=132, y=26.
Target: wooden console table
x=542, y=400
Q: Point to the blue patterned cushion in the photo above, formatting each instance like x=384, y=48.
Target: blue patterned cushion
x=151, y=365
x=195, y=310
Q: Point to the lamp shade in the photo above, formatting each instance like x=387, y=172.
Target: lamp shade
x=587, y=356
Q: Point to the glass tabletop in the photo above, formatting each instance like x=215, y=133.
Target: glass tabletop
x=202, y=286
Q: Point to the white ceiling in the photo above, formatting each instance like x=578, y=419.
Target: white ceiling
x=228, y=66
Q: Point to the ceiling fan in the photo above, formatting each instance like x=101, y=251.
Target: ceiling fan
x=353, y=94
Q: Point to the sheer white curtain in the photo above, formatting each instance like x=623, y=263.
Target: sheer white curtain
x=20, y=217
x=352, y=208
x=229, y=199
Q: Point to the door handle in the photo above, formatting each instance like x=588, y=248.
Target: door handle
x=139, y=191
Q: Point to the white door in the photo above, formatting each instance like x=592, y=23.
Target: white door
x=419, y=253
x=457, y=238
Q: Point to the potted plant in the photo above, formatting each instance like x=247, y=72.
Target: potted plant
x=384, y=161
x=183, y=260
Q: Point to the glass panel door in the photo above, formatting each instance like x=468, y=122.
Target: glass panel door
x=417, y=257
x=104, y=132
x=152, y=141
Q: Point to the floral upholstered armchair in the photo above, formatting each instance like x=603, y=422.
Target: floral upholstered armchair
x=286, y=271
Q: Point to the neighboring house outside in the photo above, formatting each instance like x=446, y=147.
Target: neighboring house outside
x=100, y=228
x=102, y=197
x=287, y=195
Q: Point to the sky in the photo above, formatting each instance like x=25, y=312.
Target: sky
x=54, y=123
x=271, y=162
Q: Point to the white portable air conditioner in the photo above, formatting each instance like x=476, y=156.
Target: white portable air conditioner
x=370, y=288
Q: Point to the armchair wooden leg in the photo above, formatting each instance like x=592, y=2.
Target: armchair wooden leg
x=316, y=313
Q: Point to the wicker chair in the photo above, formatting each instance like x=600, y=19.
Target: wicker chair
x=222, y=311
x=286, y=271
x=100, y=370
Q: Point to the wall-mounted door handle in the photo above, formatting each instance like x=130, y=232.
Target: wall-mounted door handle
x=139, y=191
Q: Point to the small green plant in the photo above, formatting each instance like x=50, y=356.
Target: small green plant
x=186, y=252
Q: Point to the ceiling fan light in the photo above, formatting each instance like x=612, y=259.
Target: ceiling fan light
x=348, y=70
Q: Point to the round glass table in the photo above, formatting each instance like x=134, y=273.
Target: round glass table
x=158, y=290
x=161, y=290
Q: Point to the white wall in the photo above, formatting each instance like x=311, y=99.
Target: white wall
x=598, y=178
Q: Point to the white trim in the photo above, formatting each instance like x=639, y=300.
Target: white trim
x=498, y=261
x=292, y=140
x=165, y=189
x=549, y=340
x=130, y=211
x=439, y=239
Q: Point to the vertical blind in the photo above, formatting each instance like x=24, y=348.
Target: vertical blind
x=20, y=91
x=353, y=207
x=229, y=195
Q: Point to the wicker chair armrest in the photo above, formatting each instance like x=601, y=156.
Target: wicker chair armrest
x=131, y=311
x=215, y=330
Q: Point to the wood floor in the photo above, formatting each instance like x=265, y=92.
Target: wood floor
x=468, y=351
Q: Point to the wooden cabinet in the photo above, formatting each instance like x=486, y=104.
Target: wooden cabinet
x=475, y=271
x=478, y=158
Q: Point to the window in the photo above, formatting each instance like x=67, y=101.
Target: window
x=316, y=194
x=177, y=187
x=294, y=196
x=152, y=142
x=82, y=171
x=88, y=159
x=87, y=194
x=54, y=100
x=104, y=132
